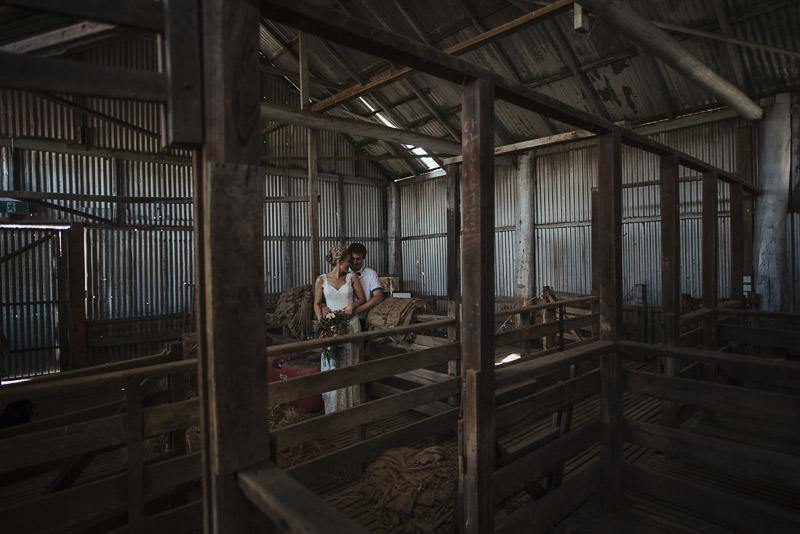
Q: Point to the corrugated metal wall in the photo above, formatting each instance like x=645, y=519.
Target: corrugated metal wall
x=33, y=303
x=562, y=184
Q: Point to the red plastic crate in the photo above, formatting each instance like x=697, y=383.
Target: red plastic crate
x=282, y=368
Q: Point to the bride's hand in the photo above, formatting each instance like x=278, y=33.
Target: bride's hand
x=325, y=311
x=348, y=310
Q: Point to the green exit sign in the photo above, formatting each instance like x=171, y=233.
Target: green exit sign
x=9, y=205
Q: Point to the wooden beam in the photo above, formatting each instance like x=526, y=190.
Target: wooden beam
x=359, y=35
x=609, y=185
x=49, y=145
x=290, y=505
x=72, y=77
x=623, y=18
x=313, y=205
x=373, y=130
x=60, y=39
x=143, y=14
x=395, y=232
x=670, y=248
x=228, y=224
x=35, y=195
x=726, y=39
x=477, y=331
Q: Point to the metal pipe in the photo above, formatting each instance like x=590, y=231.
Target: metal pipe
x=623, y=18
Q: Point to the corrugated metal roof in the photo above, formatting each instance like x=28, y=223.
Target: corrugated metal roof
x=614, y=80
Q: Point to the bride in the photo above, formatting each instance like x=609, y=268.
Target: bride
x=333, y=291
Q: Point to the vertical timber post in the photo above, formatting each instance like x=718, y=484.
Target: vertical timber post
x=229, y=206
x=609, y=256
x=453, y=262
x=670, y=272
x=525, y=255
x=737, y=243
x=313, y=171
x=78, y=356
x=395, y=234
x=710, y=260
x=476, y=468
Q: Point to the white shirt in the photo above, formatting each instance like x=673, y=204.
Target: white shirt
x=370, y=283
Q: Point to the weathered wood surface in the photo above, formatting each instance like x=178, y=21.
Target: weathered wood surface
x=518, y=372
x=354, y=455
x=541, y=515
x=513, y=477
x=735, y=510
x=372, y=411
x=300, y=387
x=739, y=458
x=73, y=504
x=779, y=408
x=578, y=301
x=291, y=506
x=477, y=318
x=302, y=346
x=547, y=401
x=31, y=449
x=611, y=484
x=547, y=329
x=771, y=369
x=763, y=337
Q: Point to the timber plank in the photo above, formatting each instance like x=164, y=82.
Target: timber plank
x=737, y=512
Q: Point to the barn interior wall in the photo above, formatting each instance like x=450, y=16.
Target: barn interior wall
x=563, y=180
x=139, y=257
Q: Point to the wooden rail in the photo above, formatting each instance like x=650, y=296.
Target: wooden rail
x=776, y=404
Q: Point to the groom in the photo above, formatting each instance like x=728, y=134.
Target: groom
x=369, y=281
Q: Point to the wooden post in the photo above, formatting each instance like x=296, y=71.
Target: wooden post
x=313, y=171
x=709, y=271
x=77, y=297
x=595, y=233
x=133, y=398
x=609, y=257
x=744, y=167
x=476, y=469
x=670, y=273
x=453, y=263
x=737, y=243
x=228, y=208
x=395, y=233
x=609, y=182
x=453, y=232
x=525, y=253
x=288, y=253
x=340, y=201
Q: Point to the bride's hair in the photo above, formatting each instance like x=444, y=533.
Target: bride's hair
x=335, y=254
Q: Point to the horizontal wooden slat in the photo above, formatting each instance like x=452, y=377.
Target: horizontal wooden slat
x=517, y=372
x=740, y=513
x=542, y=514
x=772, y=369
x=72, y=77
x=547, y=329
x=290, y=505
x=758, y=314
x=738, y=458
x=301, y=387
x=545, y=306
x=74, y=503
x=37, y=447
x=512, y=478
x=139, y=337
x=765, y=337
x=380, y=390
x=143, y=14
x=779, y=408
x=546, y=401
x=32, y=389
x=303, y=346
x=692, y=338
x=354, y=455
x=369, y=412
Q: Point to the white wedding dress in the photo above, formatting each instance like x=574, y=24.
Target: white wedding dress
x=338, y=299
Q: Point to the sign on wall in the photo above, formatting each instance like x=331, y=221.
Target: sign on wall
x=9, y=205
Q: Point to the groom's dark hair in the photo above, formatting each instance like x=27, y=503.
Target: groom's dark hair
x=357, y=248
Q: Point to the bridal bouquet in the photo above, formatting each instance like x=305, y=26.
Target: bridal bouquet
x=332, y=324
